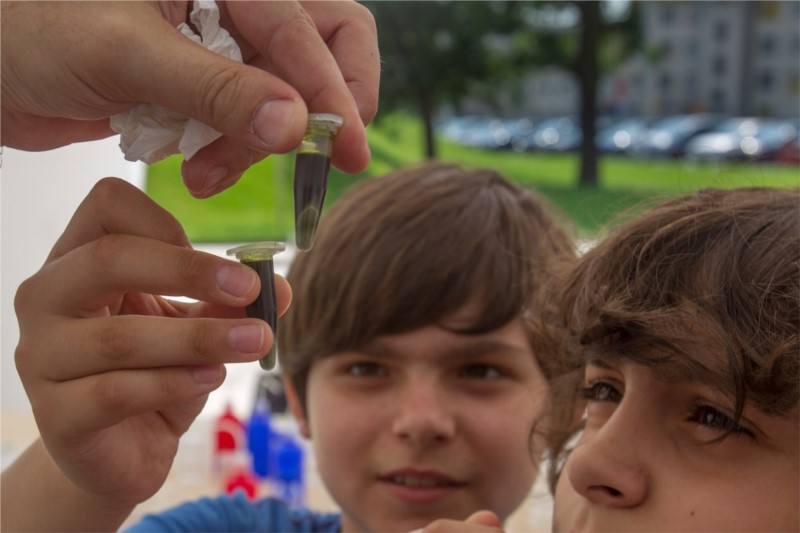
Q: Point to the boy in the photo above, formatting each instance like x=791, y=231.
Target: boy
x=687, y=323
x=408, y=353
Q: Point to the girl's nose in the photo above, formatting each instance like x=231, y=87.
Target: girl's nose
x=423, y=416
x=606, y=471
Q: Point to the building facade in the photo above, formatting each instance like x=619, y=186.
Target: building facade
x=738, y=58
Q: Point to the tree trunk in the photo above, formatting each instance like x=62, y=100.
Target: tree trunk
x=426, y=111
x=587, y=76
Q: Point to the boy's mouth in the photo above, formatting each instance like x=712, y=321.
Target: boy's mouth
x=420, y=487
x=421, y=481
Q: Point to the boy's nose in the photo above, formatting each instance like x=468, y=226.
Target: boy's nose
x=422, y=415
x=606, y=471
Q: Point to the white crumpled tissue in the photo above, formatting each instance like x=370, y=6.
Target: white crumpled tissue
x=149, y=132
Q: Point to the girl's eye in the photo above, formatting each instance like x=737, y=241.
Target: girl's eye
x=713, y=418
x=600, y=391
x=366, y=369
x=480, y=371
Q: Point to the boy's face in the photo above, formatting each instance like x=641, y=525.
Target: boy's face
x=647, y=460
x=427, y=424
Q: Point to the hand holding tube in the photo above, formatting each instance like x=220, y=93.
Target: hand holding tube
x=68, y=66
x=114, y=372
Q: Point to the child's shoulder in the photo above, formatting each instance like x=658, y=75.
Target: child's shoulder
x=237, y=513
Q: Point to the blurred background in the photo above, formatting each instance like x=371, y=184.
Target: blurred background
x=597, y=104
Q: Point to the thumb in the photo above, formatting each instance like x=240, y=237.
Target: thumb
x=245, y=103
x=484, y=518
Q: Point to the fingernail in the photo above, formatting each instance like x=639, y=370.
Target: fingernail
x=235, y=280
x=206, y=374
x=246, y=339
x=272, y=120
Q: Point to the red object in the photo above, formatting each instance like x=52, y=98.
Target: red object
x=229, y=431
x=229, y=439
x=242, y=480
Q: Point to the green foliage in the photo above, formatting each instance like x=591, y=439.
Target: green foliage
x=260, y=206
x=434, y=51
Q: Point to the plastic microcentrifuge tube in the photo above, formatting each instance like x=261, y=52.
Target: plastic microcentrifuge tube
x=312, y=163
x=258, y=256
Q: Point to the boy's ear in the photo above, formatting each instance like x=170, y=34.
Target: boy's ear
x=297, y=409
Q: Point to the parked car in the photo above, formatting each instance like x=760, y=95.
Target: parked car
x=668, y=136
x=518, y=130
x=790, y=152
x=620, y=137
x=455, y=129
x=483, y=132
x=742, y=138
x=552, y=134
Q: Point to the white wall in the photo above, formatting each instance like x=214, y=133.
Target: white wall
x=39, y=192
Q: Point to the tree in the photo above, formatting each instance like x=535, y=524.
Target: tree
x=437, y=52
x=594, y=44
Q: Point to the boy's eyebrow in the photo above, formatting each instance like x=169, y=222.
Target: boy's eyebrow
x=464, y=350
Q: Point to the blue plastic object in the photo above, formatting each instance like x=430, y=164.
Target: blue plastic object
x=259, y=437
x=289, y=483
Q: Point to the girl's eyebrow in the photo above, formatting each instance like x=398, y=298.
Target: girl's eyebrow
x=676, y=368
x=602, y=362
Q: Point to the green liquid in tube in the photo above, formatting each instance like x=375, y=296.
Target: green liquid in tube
x=312, y=164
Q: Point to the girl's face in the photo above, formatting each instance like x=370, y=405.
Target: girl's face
x=427, y=424
x=649, y=459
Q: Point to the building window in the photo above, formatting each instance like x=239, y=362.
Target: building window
x=666, y=50
x=717, y=100
x=719, y=66
x=665, y=82
x=667, y=15
x=767, y=44
x=692, y=88
x=692, y=48
x=721, y=31
x=766, y=80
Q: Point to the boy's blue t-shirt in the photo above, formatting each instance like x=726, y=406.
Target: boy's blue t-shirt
x=236, y=513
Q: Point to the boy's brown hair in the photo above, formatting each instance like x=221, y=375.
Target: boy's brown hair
x=407, y=250
x=706, y=286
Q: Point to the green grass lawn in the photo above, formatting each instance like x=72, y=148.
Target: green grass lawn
x=260, y=206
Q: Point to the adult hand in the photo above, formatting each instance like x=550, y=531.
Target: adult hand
x=68, y=66
x=115, y=373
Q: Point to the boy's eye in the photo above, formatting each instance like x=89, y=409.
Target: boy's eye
x=600, y=391
x=480, y=371
x=713, y=418
x=366, y=369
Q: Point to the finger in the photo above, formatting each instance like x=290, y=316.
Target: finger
x=291, y=46
x=353, y=41
x=52, y=132
x=116, y=206
x=486, y=518
x=218, y=166
x=98, y=273
x=283, y=298
x=352, y=37
x=245, y=103
x=99, y=345
x=100, y=401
